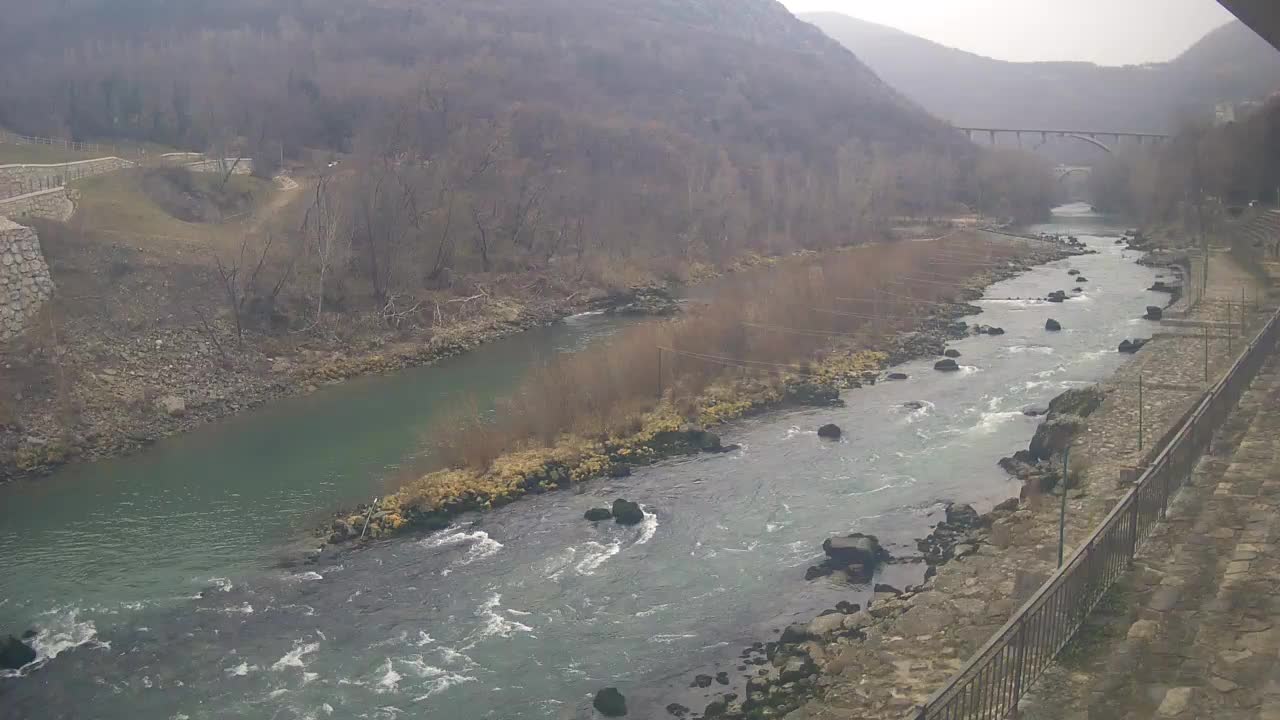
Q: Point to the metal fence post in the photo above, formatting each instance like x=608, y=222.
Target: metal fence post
x=1133, y=527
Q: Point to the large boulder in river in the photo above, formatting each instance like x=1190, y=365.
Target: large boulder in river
x=947, y=365
x=1129, y=347
x=1073, y=272
x=1052, y=325
x=952, y=353
x=1057, y=296
x=626, y=512
x=830, y=431
x=897, y=376
x=14, y=653
x=609, y=702
x=857, y=554
x=598, y=514
x=1054, y=435
x=1154, y=313
x=1080, y=402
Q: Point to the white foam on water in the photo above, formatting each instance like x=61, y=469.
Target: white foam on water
x=969, y=370
x=991, y=421
x=481, y=546
x=220, y=584
x=648, y=527
x=241, y=670
x=890, y=482
x=920, y=413
x=424, y=639
x=518, y=613
x=293, y=658
x=494, y=623
x=443, y=682
x=555, y=566
x=63, y=631
x=307, y=576
x=390, y=679
x=595, y=556
x=1034, y=349
x=668, y=639
x=653, y=610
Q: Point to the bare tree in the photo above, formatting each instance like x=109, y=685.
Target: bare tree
x=239, y=285
x=330, y=240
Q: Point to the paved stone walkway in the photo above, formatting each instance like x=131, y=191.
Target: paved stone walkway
x=1195, y=632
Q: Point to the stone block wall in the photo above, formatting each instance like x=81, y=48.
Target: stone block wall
x=53, y=204
x=25, y=284
x=24, y=179
x=243, y=167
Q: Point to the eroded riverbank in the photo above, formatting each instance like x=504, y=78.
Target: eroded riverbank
x=528, y=612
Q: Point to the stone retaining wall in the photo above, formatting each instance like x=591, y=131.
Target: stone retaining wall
x=243, y=166
x=25, y=284
x=53, y=204
x=24, y=179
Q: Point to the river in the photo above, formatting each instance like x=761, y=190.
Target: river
x=525, y=611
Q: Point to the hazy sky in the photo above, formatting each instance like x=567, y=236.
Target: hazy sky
x=1110, y=32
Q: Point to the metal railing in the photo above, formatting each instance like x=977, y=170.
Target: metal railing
x=990, y=685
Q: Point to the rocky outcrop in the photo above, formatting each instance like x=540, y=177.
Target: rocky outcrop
x=1130, y=347
x=610, y=702
x=15, y=653
x=626, y=512
x=856, y=556
x=1154, y=313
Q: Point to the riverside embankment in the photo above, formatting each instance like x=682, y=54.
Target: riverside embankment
x=911, y=645
x=524, y=611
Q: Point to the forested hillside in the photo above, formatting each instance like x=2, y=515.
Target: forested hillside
x=1229, y=64
x=699, y=128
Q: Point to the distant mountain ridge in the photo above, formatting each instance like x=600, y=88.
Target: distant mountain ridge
x=1231, y=63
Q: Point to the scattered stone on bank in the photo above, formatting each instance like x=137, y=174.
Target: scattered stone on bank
x=811, y=393
x=656, y=301
x=15, y=653
x=598, y=514
x=951, y=353
x=1082, y=279
x=1154, y=313
x=701, y=681
x=677, y=710
x=1053, y=436
x=1052, y=325
x=947, y=365
x=610, y=703
x=988, y=330
x=897, y=376
x=626, y=512
x=172, y=405
x=830, y=431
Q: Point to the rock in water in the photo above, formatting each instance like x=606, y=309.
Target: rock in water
x=610, y=703
x=897, y=376
x=855, y=549
x=598, y=514
x=626, y=512
x=995, y=331
x=947, y=365
x=1054, y=435
x=1073, y=272
x=14, y=653
x=962, y=515
x=913, y=405
x=1154, y=313
x=952, y=353
x=829, y=432
x=1081, y=278
x=1052, y=325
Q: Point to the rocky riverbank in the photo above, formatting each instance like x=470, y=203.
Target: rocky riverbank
x=111, y=397
x=881, y=661
x=673, y=428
